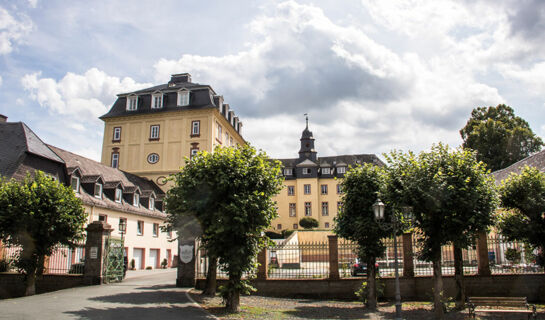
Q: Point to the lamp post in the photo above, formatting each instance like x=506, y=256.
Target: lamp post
x=378, y=208
x=122, y=229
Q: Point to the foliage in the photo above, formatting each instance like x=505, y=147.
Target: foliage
x=164, y=263
x=133, y=264
x=499, y=137
x=524, y=197
x=362, y=292
x=287, y=233
x=308, y=223
x=230, y=194
x=5, y=265
x=512, y=255
x=273, y=235
x=38, y=214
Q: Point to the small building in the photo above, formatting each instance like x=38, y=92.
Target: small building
x=537, y=160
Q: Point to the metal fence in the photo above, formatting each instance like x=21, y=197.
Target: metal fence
x=299, y=261
x=63, y=260
x=202, y=267
x=511, y=256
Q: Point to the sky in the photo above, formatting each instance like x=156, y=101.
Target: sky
x=373, y=75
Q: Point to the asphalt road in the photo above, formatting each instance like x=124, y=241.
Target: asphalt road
x=143, y=295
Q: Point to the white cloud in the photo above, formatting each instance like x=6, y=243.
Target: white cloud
x=33, y=3
x=532, y=77
x=12, y=30
x=0, y=80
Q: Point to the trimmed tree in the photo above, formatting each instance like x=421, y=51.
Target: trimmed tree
x=308, y=223
x=356, y=221
x=499, y=137
x=452, y=197
x=37, y=215
x=523, y=196
x=230, y=193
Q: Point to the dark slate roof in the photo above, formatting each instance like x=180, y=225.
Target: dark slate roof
x=335, y=161
x=16, y=139
x=536, y=160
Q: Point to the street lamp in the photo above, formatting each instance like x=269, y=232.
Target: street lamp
x=122, y=229
x=378, y=208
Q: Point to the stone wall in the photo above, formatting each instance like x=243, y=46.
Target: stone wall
x=531, y=286
x=12, y=284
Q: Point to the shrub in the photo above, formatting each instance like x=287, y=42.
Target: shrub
x=273, y=235
x=5, y=265
x=133, y=264
x=149, y=268
x=362, y=291
x=287, y=233
x=513, y=255
x=308, y=223
x=164, y=263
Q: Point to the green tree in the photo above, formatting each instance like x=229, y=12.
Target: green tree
x=499, y=137
x=523, y=196
x=230, y=193
x=38, y=214
x=308, y=223
x=356, y=221
x=452, y=197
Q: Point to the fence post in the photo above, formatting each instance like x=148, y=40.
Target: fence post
x=483, y=268
x=263, y=264
x=97, y=232
x=187, y=264
x=333, y=257
x=408, y=262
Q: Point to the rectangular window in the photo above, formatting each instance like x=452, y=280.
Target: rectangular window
x=339, y=188
x=306, y=171
x=293, y=211
x=132, y=103
x=326, y=170
x=308, y=209
x=74, y=182
x=326, y=225
x=323, y=188
x=155, y=229
x=193, y=152
x=154, y=132
x=157, y=101
x=183, y=98
x=117, y=134
x=231, y=141
x=124, y=222
x=151, y=203
x=291, y=190
x=307, y=188
x=226, y=138
x=295, y=226
x=218, y=132
x=115, y=160
x=98, y=190
x=136, y=200
x=195, y=128
x=118, y=195
x=341, y=170
x=103, y=217
x=325, y=209
x=140, y=228
x=339, y=206
x=288, y=171
x=279, y=226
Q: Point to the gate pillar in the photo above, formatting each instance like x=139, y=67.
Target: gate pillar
x=187, y=262
x=97, y=233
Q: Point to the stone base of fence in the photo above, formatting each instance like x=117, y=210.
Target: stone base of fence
x=12, y=284
x=531, y=286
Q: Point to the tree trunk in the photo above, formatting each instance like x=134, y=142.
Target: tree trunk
x=210, y=288
x=459, y=277
x=31, y=283
x=438, y=290
x=233, y=296
x=371, y=285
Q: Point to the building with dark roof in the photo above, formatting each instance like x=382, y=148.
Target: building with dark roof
x=149, y=132
x=312, y=185
x=536, y=160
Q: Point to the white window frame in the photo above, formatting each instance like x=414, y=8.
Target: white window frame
x=151, y=205
x=306, y=170
x=193, y=152
x=341, y=169
x=226, y=138
x=155, y=231
x=292, y=210
x=231, y=141
x=218, y=132
x=183, y=98
x=154, y=131
x=132, y=103
x=308, y=209
x=195, y=127
x=157, y=101
x=326, y=170
x=279, y=226
x=325, y=208
x=326, y=225
x=118, y=195
x=288, y=171
x=139, y=228
x=339, y=189
x=323, y=189
x=292, y=192
x=136, y=200
x=117, y=134
x=307, y=189
x=115, y=160
x=99, y=194
x=72, y=179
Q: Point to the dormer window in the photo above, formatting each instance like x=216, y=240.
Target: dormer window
x=132, y=102
x=288, y=171
x=341, y=170
x=74, y=182
x=98, y=190
x=157, y=100
x=118, y=195
x=136, y=200
x=306, y=170
x=326, y=170
x=151, y=203
x=183, y=98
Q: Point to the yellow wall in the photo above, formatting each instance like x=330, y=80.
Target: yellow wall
x=315, y=198
x=174, y=140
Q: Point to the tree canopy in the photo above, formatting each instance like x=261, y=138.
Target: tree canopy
x=523, y=196
x=38, y=214
x=499, y=137
x=308, y=223
x=230, y=193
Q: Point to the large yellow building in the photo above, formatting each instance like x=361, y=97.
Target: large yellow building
x=312, y=185
x=150, y=131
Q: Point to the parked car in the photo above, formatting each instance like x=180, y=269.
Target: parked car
x=360, y=269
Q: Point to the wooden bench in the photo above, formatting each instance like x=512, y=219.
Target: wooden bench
x=501, y=305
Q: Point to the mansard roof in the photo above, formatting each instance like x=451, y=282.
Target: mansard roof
x=536, y=160
x=335, y=161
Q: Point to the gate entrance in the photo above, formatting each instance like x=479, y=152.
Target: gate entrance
x=113, y=260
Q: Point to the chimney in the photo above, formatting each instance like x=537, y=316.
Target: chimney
x=231, y=116
x=235, y=123
x=239, y=129
x=3, y=118
x=226, y=111
x=180, y=78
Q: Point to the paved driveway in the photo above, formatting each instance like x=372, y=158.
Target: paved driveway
x=143, y=295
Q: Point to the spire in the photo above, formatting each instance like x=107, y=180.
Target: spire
x=307, y=144
x=306, y=117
